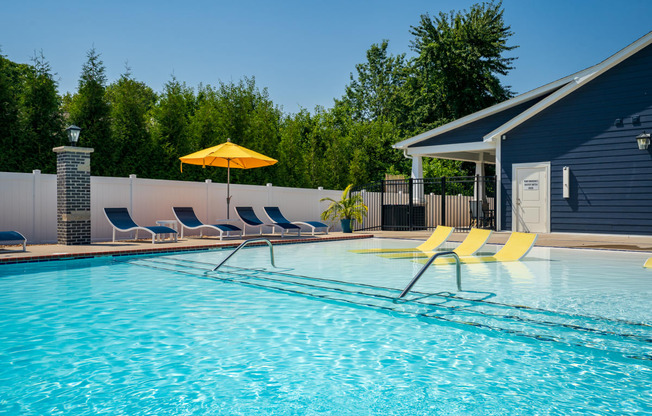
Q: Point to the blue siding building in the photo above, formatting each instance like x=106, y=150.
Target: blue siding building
x=566, y=154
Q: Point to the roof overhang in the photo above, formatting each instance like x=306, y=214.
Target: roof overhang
x=467, y=152
x=557, y=90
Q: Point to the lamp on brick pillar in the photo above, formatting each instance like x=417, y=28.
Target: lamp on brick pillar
x=73, y=191
x=73, y=134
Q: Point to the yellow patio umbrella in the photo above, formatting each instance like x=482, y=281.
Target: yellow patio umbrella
x=228, y=155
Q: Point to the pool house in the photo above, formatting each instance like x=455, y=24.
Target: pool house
x=571, y=156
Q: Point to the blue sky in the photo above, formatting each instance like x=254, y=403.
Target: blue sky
x=301, y=51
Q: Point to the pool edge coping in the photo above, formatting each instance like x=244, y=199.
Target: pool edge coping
x=154, y=250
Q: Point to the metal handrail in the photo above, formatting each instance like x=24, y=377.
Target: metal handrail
x=243, y=244
x=425, y=266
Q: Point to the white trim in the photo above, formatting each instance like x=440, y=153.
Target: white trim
x=535, y=165
x=451, y=148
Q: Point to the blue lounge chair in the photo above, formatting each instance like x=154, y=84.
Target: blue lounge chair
x=274, y=214
x=249, y=217
x=187, y=218
x=121, y=220
x=9, y=238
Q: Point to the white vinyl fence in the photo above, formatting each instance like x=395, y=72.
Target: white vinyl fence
x=28, y=202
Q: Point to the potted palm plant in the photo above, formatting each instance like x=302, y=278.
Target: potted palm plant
x=347, y=209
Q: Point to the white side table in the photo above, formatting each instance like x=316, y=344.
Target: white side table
x=168, y=223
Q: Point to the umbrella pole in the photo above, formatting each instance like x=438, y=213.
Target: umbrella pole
x=228, y=181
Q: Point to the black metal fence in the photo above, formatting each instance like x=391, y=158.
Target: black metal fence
x=411, y=204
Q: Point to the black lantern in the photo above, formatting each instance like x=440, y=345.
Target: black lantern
x=643, y=140
x=73, y=134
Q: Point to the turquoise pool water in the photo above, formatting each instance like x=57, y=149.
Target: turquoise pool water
x=564, y=332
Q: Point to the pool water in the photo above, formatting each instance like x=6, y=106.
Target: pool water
x=564, y=332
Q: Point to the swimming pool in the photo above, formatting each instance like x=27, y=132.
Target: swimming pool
x=564, y=332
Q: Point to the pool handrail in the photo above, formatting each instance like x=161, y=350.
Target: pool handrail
x=245, y=243
x=425, y=266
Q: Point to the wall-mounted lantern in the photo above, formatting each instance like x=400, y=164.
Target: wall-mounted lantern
x=643, y=140
x=73, y=134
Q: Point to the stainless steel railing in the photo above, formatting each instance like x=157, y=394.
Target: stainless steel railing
x=425, y=266
x=245, y=243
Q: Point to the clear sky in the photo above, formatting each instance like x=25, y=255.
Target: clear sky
x=302, y=51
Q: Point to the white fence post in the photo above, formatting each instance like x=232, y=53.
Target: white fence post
x=132, y=178
x=36, y=204
x=208, y=199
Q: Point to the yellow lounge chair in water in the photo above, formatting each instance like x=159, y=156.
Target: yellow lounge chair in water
x=474, y=241
x=438, y=237
x=516, y=247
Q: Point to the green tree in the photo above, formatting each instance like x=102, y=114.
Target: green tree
x=30, y=120
x=292, y=169
x=41, y=115
x=372, y=155
x=11, y=132
x=171, y=119
x=459, y=58
x=375, y=90
x=130, y=103
x=89, y=109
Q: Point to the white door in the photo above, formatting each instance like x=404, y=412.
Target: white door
x=530, y=189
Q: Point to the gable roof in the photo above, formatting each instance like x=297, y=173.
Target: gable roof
x=555, y=90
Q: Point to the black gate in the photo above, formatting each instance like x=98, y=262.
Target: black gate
x=411, y=204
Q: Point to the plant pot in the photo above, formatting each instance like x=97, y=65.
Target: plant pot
x=346, y=226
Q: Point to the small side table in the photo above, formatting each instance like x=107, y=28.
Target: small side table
x=168, y=223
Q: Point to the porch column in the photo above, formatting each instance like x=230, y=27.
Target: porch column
x=417, y=186
x=73, y=195
x=479, y=190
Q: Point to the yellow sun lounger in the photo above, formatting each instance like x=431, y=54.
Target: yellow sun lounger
x=516, y=247
x=473, y=242
x=438, y=237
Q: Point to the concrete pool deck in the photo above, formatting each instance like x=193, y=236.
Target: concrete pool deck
x=45, y=252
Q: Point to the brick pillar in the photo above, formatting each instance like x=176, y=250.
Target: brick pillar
x=73, y=195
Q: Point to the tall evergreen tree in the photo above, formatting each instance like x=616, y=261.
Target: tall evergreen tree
x=171, y=118
x=11, y=132
x=130, y=104
x=89, y=109
x=41, y=116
